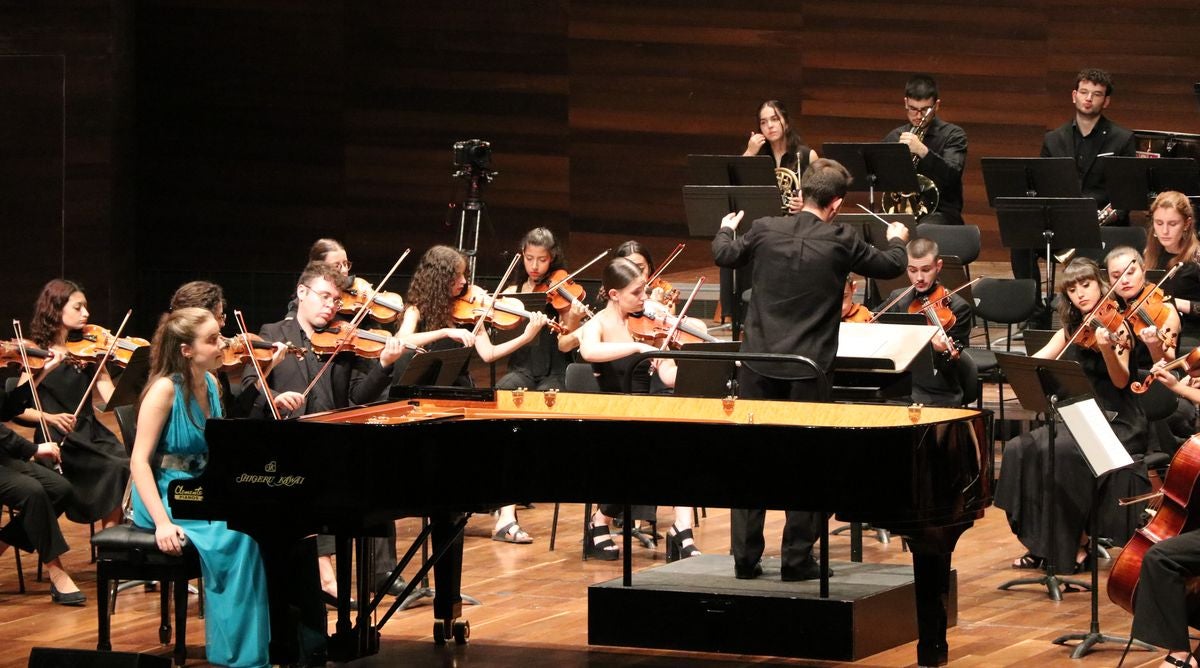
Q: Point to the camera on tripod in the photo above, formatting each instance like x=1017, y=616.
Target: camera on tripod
x=473, y=155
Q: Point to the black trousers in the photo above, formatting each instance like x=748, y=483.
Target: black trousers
x=383, y=547
x=39, y=495
x=801, y=527
x=1161, y=614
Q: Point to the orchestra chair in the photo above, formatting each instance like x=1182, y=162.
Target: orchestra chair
x=1158, y=403
x=961, y=241
x=12, y=517
x=1113, y=236
x=126, y=552
x=1006, y=301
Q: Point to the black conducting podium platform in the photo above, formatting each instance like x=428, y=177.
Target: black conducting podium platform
x=698, y=605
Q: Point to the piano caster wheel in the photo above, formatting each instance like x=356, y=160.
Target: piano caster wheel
x=459, y=629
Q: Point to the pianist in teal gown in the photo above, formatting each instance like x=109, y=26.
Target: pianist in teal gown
x=170, y=446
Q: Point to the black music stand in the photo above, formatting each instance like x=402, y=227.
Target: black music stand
x=1132, y=183
x=730, y=170
x=1096, y=460
x=1030, y=177
x=436, y=367
x=875, y=166
x=697, y=378
x=705, y=206
x=1046, y=222
x=874, y=232
x=131, y=381
x=1041, y=385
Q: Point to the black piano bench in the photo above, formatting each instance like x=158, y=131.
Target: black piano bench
x=126, y=552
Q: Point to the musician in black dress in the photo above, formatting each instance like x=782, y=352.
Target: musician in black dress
x=93, y=460
x=1022, y=491
x=428, y=322
x=606, y=342
x=1173, y=241
x=293, y=579
x=800, y=267
x=37, y=493
x=941, y=155
x=1162, y=611
x=936, y=378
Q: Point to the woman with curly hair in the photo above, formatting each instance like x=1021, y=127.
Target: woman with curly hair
x=93, y=460
x=428, y=322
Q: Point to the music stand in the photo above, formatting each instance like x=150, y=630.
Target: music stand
x=1041, y=385
x=1043, y=222
x=730, y=170
x=705, y=206
x=1132, y=183
x=436, y=367
x=884, y=166
x=1030, y=177
x=705, y=378
x=131, y=381
x=1104, y=454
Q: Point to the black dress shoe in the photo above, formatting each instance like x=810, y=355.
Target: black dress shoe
x=809, y=571
x=74, y=598
x=743, y=573
x=397, y=587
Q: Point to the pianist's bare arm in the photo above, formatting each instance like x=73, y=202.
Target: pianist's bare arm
x=152, y=415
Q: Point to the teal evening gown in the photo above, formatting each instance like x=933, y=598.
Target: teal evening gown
x=236, y=620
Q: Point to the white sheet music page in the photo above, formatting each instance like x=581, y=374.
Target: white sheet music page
x=876, y=340
x=1093, y=433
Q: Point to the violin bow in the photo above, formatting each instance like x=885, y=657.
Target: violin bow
x=578, y=271
x=262, y=380
x=354, y=323
x=100, y=365
x=37, y=401
x=1166, y=277
x=882, y=309
x=682, y=314
x=490, y=304
x=670, y=258
x=1092, y=315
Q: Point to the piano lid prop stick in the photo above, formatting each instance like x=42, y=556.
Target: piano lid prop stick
x=100, y=365
x=37, y=401
x=258, y=372
x=490, y=303
x=354, y=323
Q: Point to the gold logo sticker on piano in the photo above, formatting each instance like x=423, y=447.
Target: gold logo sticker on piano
x=185, y=494
x=272, y=480
x=550, y=397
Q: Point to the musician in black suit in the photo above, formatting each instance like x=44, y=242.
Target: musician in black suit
x=350, y=380
x=1087, y=137
x=941, y=154
x=800, y=265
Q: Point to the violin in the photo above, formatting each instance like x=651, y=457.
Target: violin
x=10, y=354
x=653, y=327
x=505, y=312
x=364, y=343
x=1107, y=315
x=858, y=313
x=935, y=306
x=383, y=306
x=669, y=292
x=565, y=295
x=233, y=349
x=1149, y=310
x=1186, y=363
x=94, y=340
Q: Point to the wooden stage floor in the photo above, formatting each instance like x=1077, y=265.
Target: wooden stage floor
x=534, y=610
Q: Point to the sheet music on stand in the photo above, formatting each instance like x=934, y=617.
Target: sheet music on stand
x=1094, y=435
x=887, y=346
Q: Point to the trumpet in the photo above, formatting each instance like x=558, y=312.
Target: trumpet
x=1103, y=217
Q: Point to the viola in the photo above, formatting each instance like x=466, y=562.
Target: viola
x=566, y=295
x=94, y=340
x=505, y=312
x=1186, y=363
x=235, y=354
x=383, y=306
x=10, y=354
x=652, y=327
x=1172, y=517
x=858, y=313
x=935, y=306
x=1149, y=309
x=364, y=343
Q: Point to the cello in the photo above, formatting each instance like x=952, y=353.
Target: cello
x=1172, y=518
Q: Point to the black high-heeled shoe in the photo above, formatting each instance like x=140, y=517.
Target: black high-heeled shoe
x=72, y=598
x=606, y=549
x=1177, y=662
x=676, y=549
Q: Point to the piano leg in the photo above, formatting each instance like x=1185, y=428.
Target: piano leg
x=932, y=551
x=293, y=593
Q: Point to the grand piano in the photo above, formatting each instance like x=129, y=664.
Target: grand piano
x=925, y=474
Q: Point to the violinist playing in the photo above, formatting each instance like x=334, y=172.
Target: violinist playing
x=540, y=365
x=1021, y=489
x=93, y=460
x=935, y=382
